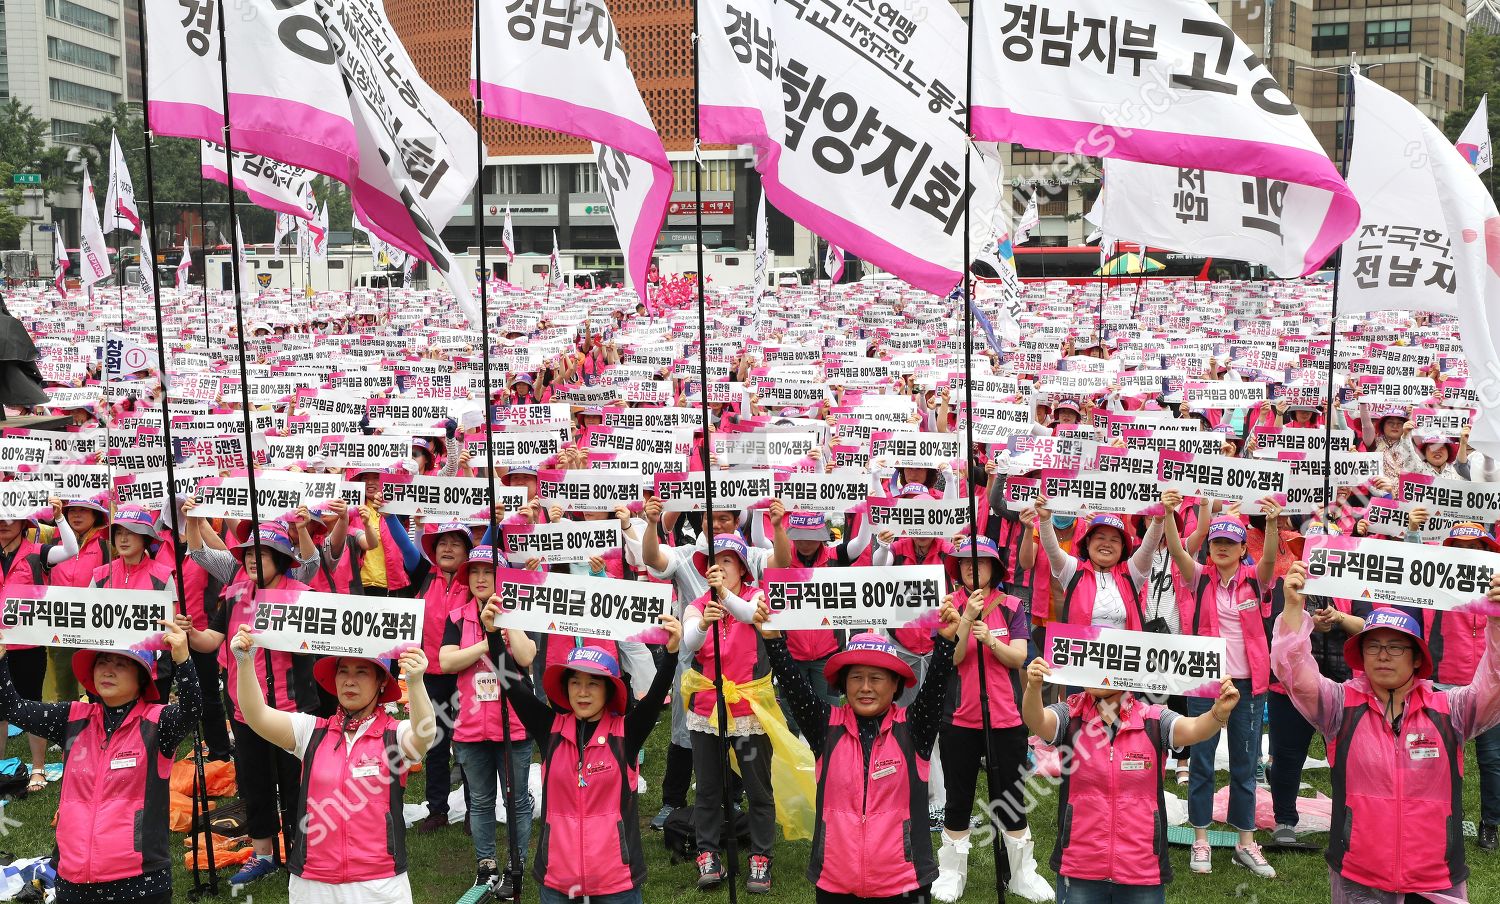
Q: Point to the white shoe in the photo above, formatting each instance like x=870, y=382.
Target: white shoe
x=953, y=869
x=1025, y=881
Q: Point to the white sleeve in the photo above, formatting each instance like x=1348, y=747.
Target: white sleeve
x=303, y=726
x=674, y=561
x=759, y=560
x=403, y=739
x=636, y=659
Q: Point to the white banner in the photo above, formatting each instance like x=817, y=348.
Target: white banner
x=85, y=618
x=1071, y=492
x=557, y=603
x=589, y=491
x=832, y=494
x=1138, y=661
x=919, y=517
x=1221, y=477
x=562, y=542
x=229, y=497
x=335, y=624
x=1397, y=574
x=739, y=490
x=853, y=598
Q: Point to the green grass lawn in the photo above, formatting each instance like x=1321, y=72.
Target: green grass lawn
x=442, y=864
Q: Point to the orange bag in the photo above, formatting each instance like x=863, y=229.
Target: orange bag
x=219, y=776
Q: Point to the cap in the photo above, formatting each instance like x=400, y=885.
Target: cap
x=1470, y=530
x=272, y=535
x=326, y=671
x=866, y=649
x=1104, y=519
x=1226, y=529
x=1389, y=620
x=590, y=661
x=83, y=670
x=430, y=536
x=479, y=555
x=136, y=520
x=808, y=526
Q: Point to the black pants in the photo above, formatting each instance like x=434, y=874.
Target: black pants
x=376, y=591
x=265, y=773
x=961, y=749
x=754, y=755
x=677, y=777
x=438, y=768
x=922, y=895
x=1290, y=736
x=28, y=671
x=215, y=729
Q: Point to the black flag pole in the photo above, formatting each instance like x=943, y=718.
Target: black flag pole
x=201, y=828
x=513, y=871
x=1346, y=144
x=727, y=835
x=1002, y=864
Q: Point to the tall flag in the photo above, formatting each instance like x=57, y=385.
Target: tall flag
x=318, y=229
x=554, y=264
x=59, y=263
x=354, y=109
x=833, y=262
x=508, y=237
x=286, y=224
x=1429, y=238
x=1474, y=143
x=762, y=250
x=1229, y=113
x=862, y=148
x=1030, y=220
x=242, y=260
x=93, y=253
x=120, y=211
x=268, y=183
x=146, y=270
x=184, y=265
x=581, y=87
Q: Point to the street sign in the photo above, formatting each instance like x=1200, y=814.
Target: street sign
x=46, y=227
x=26, y=179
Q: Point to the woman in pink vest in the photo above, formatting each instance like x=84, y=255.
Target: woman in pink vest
x=353, y=767
x=993, y=626
x=1396, y=746
x=433, y=572
x=267, y=775
x=479, y=739
x=589, y=738
x=112, y=838
x=1111, y=843
x=1103, y=579
x=727, y=613
x=378, y=559
x=89, y=520
x=134, y=567
x=1228, y=597
x=872, y=764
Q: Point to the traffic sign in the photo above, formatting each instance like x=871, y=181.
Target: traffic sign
x=45, y=227
x=26, y=179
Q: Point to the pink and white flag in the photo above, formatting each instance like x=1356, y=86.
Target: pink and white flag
x=561, y=67
x=268, y=183
x=1154, y=81
x=865, y=148
x=93, y=253
x=508, y=237
x=120, y=211
x=833, y=263
x=184, y=265
x=59, y=262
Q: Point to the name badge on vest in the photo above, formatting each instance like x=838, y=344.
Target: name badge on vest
x=486, y=687
x=1134, y=762
x=368, y=767
x=884, y=769
x=1247, y=604
x=122, y=762
x=1419, y=748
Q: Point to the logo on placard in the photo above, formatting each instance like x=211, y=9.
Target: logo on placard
x=264, y=279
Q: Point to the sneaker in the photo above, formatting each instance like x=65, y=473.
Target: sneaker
x=254, y=868
x=1260, y=774
x=1489, y=837
x=432, y=823
x=710, y=870
x=1284, y=835
x=485, y=873
x=759, y=880
x=1250, y=857
x=659, y=821
x=1183, y=774
x=1203, y=858
x=504, y=890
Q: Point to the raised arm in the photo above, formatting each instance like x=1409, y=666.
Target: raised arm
x=273, y=725
x=1140, y=563
x=1172, y=501
x=1476, y=707
x=1063, y=565
x=1318, y=699
x=1265, y=569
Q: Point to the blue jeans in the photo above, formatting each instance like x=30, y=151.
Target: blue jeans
x=1089, y=891
x=480, y=761
x=1487, y=750
x=1244, y=753
x=1290, y=735
x=545, y=895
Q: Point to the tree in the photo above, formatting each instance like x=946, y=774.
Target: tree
x=1481, y=77
x=23, y=149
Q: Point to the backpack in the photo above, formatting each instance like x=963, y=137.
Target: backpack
x=681, y=840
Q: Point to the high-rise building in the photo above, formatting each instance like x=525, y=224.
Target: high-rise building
x=1484, y=16
x=67, y=61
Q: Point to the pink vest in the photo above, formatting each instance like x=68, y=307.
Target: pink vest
x=591, y=838
x=479, y=720
x=811, y=646
x=26, y=570
x=1397, y=801
x=1078, y=599
x=1004, y=684
x=904, y=552
x=1456, y=641
x=1201, y=619
x=342, y=572
x=111, y=819
x=350, y=801
x=395, y=572
x=273, y=668
x=195, y=585
x=79, y=570
x=149, y=574
x=865, y=842
x=741, y=651
x=441, y=595
x=1111, y=817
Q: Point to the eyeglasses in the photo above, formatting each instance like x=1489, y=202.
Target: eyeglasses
x=1394, y=650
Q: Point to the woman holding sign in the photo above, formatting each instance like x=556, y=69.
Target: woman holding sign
x=993, y=626
x=1111, y=813
x=133, y=568
x=1396, y=747
x=1102, y=581
x=590, y=739
x=354, y=765
x=1225, y=598
x=112, y=838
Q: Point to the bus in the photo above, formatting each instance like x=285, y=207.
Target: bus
x=1079, y=262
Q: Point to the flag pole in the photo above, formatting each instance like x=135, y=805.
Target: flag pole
x=169, y=503
x=1001, y=861
x=1345, y=146
x=727, y=836
x=513, y=871
x=239, y=320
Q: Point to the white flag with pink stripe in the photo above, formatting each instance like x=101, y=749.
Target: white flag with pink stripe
x=1153, y=81
x=560, y=66
x=268, y=183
